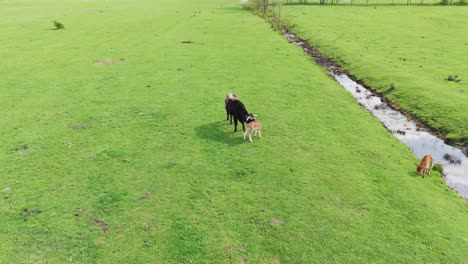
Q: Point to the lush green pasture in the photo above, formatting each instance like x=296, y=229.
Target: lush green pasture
x=114, y=147
x=406, y=53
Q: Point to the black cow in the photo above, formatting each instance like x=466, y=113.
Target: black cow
x=236, y=109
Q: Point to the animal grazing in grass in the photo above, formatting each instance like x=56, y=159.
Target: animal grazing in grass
x=425, y=166
x=253, y=126
x=229, y=97
x=236, y=109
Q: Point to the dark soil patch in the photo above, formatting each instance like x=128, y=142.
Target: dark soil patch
x=101, y=224
x=453, y=78
x=78, y=212
x=241, y=248
x=191, y=42
x=27, y=213
x=244, y=259
x=22, y=147
x=145, y=197
x=80, y=126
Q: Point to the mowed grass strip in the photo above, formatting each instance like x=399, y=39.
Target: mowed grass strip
x=406, y=53
x=114, y=146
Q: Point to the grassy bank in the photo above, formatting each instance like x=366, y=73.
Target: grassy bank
x=114, y=146
x=406, y=53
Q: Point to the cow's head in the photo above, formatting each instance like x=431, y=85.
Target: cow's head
x=250, y=117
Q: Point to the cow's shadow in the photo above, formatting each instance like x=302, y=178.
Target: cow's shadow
x=220, y=131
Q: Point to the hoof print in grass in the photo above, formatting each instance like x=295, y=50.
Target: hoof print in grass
x=241, y=173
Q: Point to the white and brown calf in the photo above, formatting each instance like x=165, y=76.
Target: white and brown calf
x=253, y=126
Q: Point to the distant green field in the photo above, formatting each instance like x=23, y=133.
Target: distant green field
x=114, y=146
x=371, y=2
x=406, y=53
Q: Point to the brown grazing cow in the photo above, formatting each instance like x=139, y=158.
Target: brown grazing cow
x=425, y=166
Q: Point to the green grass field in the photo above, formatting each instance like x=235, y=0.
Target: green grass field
x=114, y=147
x=406, y=53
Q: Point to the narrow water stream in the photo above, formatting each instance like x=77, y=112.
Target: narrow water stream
x=419, y=141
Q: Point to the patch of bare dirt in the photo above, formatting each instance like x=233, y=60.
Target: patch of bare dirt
x=27, y=213
x=101, y=224
x=145, y=197
x=276, y=221
x=22, y=147
x=78, y=211
x=80, y=126
x=244, y=259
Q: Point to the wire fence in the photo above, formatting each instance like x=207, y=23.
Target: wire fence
x=375, y=2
